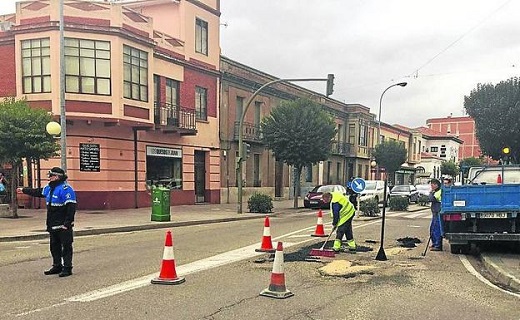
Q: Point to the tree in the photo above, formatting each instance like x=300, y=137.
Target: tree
x=300, y=134
x=465, y=164
x=23, y=136
x=449, y=168
x=390, y=155
x=496, y=110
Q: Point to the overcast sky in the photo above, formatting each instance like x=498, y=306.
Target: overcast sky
x=442, y=48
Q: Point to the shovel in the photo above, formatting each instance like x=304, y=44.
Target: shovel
x=321, y=252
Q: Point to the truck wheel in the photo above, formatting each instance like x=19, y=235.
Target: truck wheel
x=459, y=248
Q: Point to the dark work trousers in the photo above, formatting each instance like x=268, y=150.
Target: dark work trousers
x=61, y=247
x=345, y=230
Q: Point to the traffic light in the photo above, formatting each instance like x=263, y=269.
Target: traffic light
x=506, y=150
x=505, y=153
x=330, y=84
x=247, y=150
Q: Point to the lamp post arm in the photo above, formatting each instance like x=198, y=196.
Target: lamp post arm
x=241, y=132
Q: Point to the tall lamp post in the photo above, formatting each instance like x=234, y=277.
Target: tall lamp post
x=240, y=159
x=381, y=255
x=63, y=120
x=401, y=84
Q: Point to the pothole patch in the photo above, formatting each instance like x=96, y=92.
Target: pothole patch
x=346, y=269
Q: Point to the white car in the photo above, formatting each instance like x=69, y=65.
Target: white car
x=374, y=189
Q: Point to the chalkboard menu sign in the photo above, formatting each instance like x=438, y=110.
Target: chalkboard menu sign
x=89, y=157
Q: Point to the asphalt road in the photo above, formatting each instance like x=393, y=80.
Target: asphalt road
x=223, y=281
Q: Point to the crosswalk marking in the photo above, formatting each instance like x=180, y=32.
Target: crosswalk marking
x=424, y=214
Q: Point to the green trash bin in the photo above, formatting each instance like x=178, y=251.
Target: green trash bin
x=160, y=204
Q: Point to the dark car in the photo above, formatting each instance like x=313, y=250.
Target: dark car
x=313, y=199
x=406, y=190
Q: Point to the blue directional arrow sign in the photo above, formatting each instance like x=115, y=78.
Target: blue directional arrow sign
x=358, y=185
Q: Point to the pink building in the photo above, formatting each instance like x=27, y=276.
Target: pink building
x=141, y=92
x=461, y=127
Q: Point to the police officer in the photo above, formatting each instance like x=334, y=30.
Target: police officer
x=342, y=212
x=61, y=208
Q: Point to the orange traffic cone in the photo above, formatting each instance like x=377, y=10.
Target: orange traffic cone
x=499, y=178
x=277, y=287
x=267, y=244
x=320, y=231
x=168, y=274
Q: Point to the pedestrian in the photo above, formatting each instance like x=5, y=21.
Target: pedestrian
x=342, y=212
x=447, y=182
x=3, y=187
x=435, y=225
x=61, y=208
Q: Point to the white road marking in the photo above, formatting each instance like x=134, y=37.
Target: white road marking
x=190, y=268
x=474, y=272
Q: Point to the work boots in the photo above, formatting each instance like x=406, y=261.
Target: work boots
x=54, y=270
x=67, y=271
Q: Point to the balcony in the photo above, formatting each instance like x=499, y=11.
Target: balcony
x=341, y=148
x=172, y=118
x=250, y=131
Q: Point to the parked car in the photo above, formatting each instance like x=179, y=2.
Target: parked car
x=405, y=190
x=375, y=189
x=313, y=199
x=423, y=189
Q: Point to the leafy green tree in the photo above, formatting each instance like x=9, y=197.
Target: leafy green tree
x=449, y=168
x=465, y=164
x=23, y=136
x=299, y=133
x=496, y=110
x=390, y=155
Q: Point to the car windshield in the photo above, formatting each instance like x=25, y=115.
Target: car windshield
x=323, y=189
x=370, y=185
x=401, y=189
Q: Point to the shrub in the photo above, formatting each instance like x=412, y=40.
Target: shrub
x=423, y=200
x=261, y=203
x=369, y=207
x=399, y=203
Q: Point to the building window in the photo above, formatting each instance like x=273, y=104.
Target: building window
x=201, y=36
x=135, y=74
x=240, y=108
x=434, y=149
x=172, y=92
x=201, y=103
x=308, y=174
x=87, y=66
x=164, y=167
x=36, y=66
x=352, y=134
x=363, y=135
x=258, y=113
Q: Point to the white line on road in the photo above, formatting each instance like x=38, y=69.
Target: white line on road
x=190, y=268
x=474, y=272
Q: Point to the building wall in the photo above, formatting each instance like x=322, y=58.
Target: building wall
x=462, y=128
x=124, y=128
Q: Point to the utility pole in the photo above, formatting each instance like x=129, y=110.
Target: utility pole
x=240, y=159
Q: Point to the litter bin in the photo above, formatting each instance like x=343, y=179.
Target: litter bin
x=160, y=204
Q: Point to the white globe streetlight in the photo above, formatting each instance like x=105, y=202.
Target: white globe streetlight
x=53, y=128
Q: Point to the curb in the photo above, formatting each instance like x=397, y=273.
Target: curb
x=500, y=274
x=150, y=226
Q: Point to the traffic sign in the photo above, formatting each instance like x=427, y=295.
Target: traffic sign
x=358, y=185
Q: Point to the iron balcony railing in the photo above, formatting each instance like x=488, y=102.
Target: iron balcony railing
x=251, y=132
x=341, y=148
x=170, y=115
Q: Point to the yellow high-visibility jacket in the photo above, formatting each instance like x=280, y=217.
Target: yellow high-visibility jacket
x=341, y=210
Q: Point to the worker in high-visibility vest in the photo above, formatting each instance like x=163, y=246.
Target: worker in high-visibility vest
x=435, y=225
x=342, y=212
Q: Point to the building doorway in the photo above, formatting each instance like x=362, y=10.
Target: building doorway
x=200, y=176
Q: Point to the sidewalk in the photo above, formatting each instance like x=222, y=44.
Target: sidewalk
x=31, y=226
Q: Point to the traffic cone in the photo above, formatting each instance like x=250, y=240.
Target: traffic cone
x=277, y=287
x=168, y=274
x=499, y=179
x=320, y=231
x=267, y=244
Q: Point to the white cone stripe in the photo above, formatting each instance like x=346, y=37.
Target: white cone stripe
x=267, y=232
x=320, y=220
x=278, y=262
x=168, y=253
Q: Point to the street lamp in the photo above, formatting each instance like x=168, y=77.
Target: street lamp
x=401, y=84
x=373, y=164
x=53, y=128
x=381, y=256
x=63, y=120
x=240, y=159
